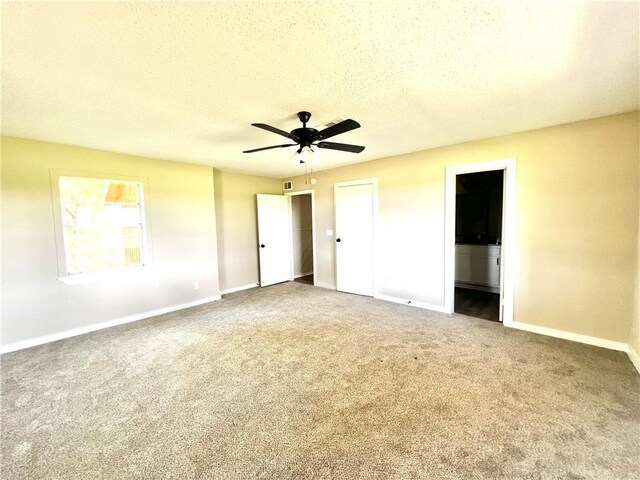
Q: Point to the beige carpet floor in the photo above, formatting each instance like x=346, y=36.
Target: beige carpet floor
x=293, y=381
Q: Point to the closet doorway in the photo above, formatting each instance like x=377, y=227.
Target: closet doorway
x=303, y=255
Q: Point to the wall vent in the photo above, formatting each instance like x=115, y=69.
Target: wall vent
x=288, y=185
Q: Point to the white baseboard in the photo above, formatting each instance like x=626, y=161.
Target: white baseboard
x=412, y=303
x=634, y=357
x=32, y=342
x=324, y=285
x=574, y=337
x=239, y=289
x=303, y=275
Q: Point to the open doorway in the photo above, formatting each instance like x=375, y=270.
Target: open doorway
x=303, y=241
x=479, y=239
x=479, y=206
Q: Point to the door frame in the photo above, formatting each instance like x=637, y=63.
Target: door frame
x=313, y=229
x=350, y=183
x=507, y=250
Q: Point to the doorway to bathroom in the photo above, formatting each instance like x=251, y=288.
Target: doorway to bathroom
x=479, y=205
x=480, y=216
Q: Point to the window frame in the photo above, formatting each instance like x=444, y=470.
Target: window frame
x=114, y=273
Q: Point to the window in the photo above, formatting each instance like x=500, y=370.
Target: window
x=102, y=224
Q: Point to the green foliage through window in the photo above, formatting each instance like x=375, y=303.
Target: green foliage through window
x=102, y=224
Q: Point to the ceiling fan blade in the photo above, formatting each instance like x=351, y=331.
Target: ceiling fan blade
x=337, y=129
x=269, y=128
x=341, y=146
x=269, y=148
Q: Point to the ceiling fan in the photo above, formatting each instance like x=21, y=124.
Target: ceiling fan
x=306, y=137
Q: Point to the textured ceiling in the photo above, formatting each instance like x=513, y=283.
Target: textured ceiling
x=183, y=81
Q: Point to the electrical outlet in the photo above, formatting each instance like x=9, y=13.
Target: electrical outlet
x=196, y=285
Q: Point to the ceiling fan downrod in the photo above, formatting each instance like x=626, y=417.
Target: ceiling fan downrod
x=304, y=118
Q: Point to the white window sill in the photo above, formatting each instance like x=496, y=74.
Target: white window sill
x=126, y=273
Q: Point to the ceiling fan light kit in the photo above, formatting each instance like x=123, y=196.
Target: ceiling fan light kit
x=306, y=137
x=304, y=155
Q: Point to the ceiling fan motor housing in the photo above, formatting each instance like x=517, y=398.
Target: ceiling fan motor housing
x=304, y=136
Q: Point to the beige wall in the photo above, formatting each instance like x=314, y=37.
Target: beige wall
x=577, y=220
x=237, y=223
x=180, y=201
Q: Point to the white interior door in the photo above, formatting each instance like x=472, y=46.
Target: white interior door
x=354, y=238
x=274, y=239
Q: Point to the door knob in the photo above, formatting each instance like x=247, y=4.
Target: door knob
x=262, y=245
x=338, y=240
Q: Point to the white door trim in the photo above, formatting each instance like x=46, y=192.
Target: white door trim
x=507, y=253
x=364, y=181
x=313, y=227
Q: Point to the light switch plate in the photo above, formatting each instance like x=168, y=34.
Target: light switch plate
x=329, y=233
